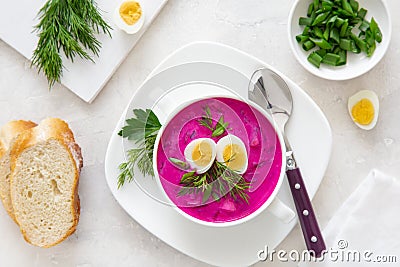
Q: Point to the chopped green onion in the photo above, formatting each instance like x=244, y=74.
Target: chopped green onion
x=326, y=33
x=320, y=18
x=331, y=59
x=327, y=5
x=371, y=50
x=361, y=13
x=342, y=58
x=364, y=26
x=321, y=52
x=310, y=9
x=315, y=59
x=306, y=30
x=347, y=7
x=305, y=21
x=336, y=27
x=339, y=22
x=308, y=45
x=316, y=4
x=355, y=20
x=321, y=43
x=318, y=33
x=344, y=13
x=343, y=29
x=313, y=15
x=375, y=30
x=369, y=38
x=317, y=12
x=354, y=5
x=360, y=43
x=301, y=38
x=346, y=44
x=332, y=20
x=334, y=35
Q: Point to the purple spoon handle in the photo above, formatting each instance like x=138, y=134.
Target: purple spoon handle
x=309, y=225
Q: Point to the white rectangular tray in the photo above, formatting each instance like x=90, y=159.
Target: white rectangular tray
x=84, y=78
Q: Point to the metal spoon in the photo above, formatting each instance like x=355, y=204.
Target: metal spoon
x=271, y=92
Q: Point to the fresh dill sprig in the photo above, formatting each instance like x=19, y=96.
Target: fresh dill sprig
x=217, y=182
x=70, y=26
x=206, y=120
x=142, y=130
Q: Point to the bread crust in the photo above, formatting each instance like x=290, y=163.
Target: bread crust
x=7, y=134
x=51, y=128
x=10, y=130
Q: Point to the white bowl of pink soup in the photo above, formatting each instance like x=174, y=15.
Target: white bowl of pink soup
x=265, y=154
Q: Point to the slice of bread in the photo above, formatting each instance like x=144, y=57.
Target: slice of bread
x=7, y=134
x=45, y=167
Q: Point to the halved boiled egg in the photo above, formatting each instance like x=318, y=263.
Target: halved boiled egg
x=232, y=152
x=200, y=154
x=128, y=16
x=364, y=109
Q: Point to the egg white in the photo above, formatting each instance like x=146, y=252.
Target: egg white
x=189, y=152
x=228, y=140
x=129, y=29
x=371, y=96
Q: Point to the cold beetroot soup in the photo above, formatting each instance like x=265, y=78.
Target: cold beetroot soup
x=263, y=151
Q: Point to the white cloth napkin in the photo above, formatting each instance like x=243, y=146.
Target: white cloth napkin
x=367, y=225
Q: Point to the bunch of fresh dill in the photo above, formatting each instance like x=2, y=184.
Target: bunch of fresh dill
x=69, y=26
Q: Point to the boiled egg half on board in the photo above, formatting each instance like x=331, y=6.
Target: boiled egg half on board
x=364, y=109
x=129, y=16
x=200, y=154
x=232, y=152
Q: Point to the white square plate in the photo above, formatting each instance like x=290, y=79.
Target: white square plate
x=221, y=246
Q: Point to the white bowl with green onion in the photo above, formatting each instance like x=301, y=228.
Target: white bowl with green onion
x=339, y=39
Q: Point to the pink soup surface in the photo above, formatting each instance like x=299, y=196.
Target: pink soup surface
x=262, y=145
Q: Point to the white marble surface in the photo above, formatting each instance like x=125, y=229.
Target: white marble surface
x=106, y=235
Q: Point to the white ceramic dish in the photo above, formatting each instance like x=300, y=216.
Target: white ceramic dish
x=180, y=93
x=221, y=246
x=357, y=64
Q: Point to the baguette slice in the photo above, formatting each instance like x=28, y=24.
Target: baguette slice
x=45, y=167
x=7, y=134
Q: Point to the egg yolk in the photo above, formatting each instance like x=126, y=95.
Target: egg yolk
x=363, y=112
x=202, y=154
x=130, y=12
x=234, y=156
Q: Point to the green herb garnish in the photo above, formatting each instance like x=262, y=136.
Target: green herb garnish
x=217, y=182
x=179, y=163
x=207, y=121
x=69, y=26
x=143, y=131
x=336, y=27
